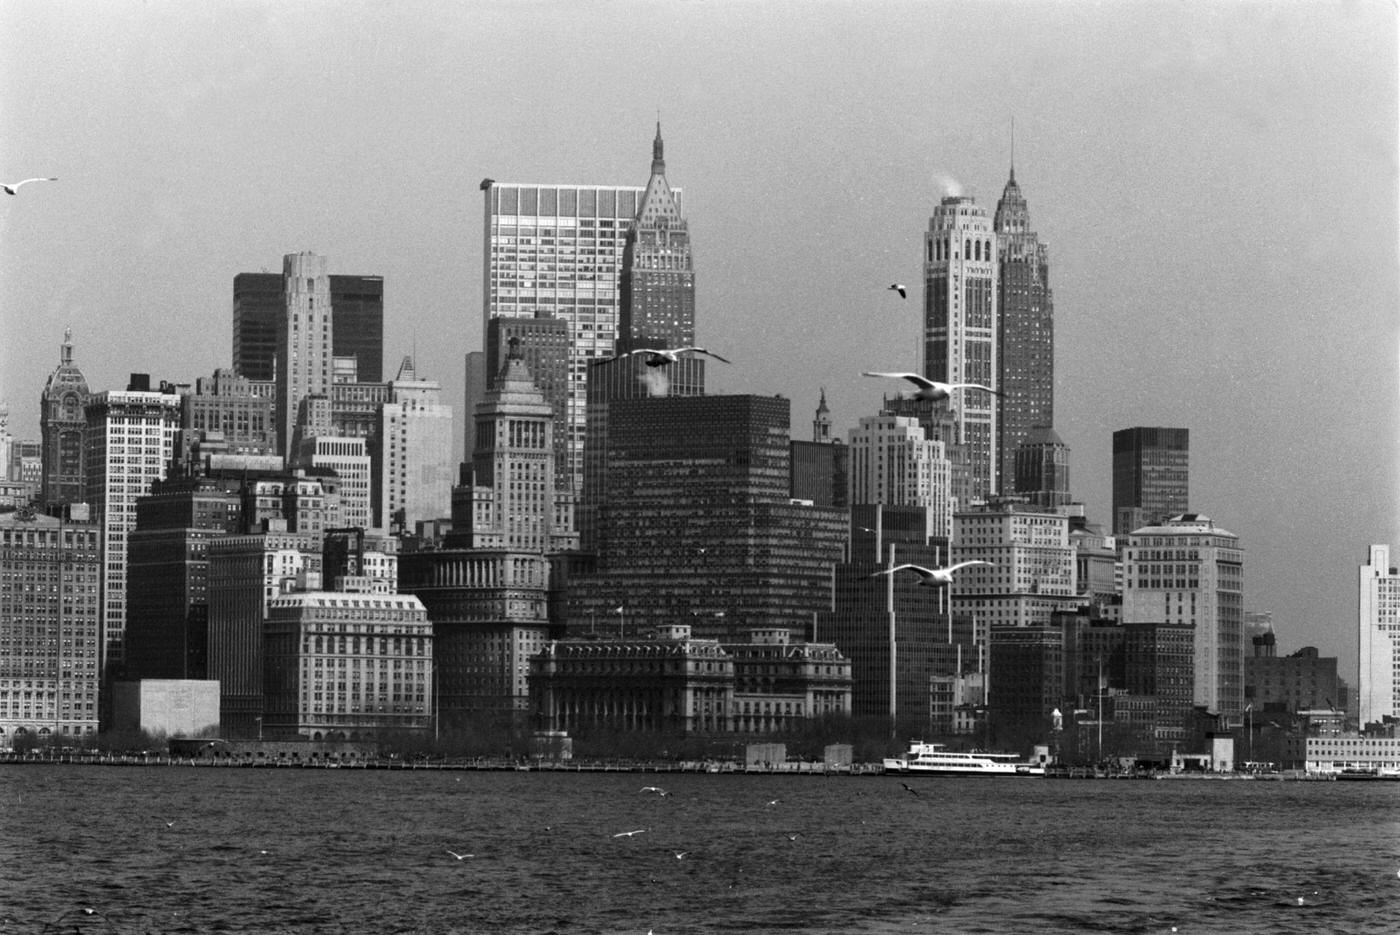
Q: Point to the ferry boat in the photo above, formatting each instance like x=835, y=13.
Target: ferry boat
x=936, y=759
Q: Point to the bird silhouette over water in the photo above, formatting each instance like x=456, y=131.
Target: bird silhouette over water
x=460, y=856
x=930, y=577
x=628, y=834
x=661, y=357
x=929, y=389
x=655, y=789
x=910, y=789
x=10, y=188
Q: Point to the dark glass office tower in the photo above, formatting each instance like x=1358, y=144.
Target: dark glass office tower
x=1026, y=341
x=1149, y=476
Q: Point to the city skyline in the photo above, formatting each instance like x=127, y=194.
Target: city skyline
x=1216, y=185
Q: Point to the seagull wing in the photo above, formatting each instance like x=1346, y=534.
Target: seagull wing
x=701, y=350
x=27, y=181
x=975, y=386
x=922, y=382
x=975, y=561
x=889, y=571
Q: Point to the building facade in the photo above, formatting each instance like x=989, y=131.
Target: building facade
x=696, y=525
x=962, y=325
x=1189, y=571
x=892, y=461
x=1378, y=629
x=415, y=453
x=259, y=302
x=558, y=250
x=304, y=340
x=128, y=445
x=346, y=665
x=61, y=426
x=1040, y=467
x=50, y=625
x=1026, y=334
x=1150, y=476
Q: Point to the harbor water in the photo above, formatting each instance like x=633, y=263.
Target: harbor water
x=181, y=850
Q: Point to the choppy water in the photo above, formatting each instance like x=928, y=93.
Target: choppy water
x=181, y=850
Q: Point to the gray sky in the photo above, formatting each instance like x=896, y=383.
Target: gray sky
x=1217, y=182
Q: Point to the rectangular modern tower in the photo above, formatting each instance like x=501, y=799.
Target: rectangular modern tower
x=1378, y=623
x=558, y=249
x=1149, y=476
x=961, y=325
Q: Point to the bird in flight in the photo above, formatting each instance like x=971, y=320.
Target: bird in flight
x=170, y=824
x=680, y=854
x=772, y=803
x=792, y=837
x=899, y=287
x=10, y=189
x=460, y=856
x=487, y=183
x=628, y=834
x=661, y=357
x=910, y=789
x=932, y=577
x=656, y=789
x=930, y=389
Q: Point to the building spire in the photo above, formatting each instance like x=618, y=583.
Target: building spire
x=1013, y=147
x=658, y=161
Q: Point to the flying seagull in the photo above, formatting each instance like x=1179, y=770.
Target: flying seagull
x=487, y=183
x=628, y=834
x=460, y=856
x=657, y=789
x=899, y=287
x=910, y=789
x=930, y=389
x=10, y=189
x=932, y=577
x=661, y=357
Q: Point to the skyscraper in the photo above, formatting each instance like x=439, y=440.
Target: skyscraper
x=961, y=336
x=128, y=444
x=1187, y=570
x=61, y=427
x=259, y=300
x=893, y=462
x=1378, y=625
x=415, y=452
x=1026, y=347
x=558, y=249
x=696, y=525
x=1041, y=468
x=1149, y=476
x=658, y=276
x=304, y=350
x=487, y=589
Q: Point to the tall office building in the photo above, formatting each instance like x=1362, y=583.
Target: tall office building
x=487, y=588
x=893, y=462
x=558, y=249
x=1378, y=626
x=415, y=452
x=167, y=633
x=259, y=301
x=961, y=336
x=1032, y=575
x=304, y=354
x=1150, y=473
x=50, y=625
x=61, y=427
x=1026, y=351
x=1187, y=570
x=542, y=343
x=657, y=307
x=696, y=525
x=128, y=443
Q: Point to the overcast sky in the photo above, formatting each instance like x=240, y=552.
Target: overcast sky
x=1217, y=182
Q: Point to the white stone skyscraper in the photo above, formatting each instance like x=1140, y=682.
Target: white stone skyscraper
x=892, y=461
x=1378, y=625
x=304, y=340
x=416, y=463
x=960, y=339
x=128, y=442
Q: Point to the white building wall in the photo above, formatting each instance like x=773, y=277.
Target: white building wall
x=1378, y=625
